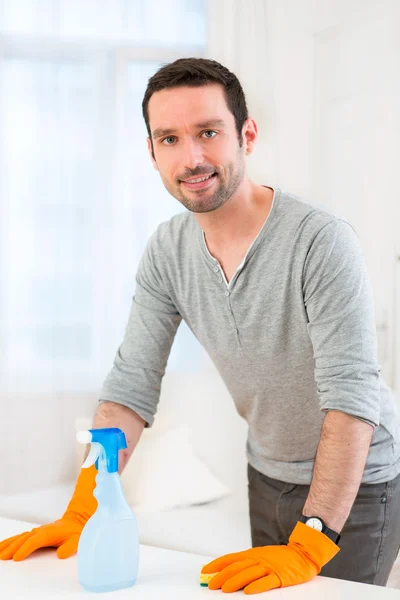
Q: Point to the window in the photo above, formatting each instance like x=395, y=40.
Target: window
x=75, y=179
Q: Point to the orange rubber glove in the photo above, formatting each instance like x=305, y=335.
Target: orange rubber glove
x=63, y=534
x=268, y=567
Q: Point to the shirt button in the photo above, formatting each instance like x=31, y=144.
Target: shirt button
x=220, y=279
x=216, y=269
x=226, y=293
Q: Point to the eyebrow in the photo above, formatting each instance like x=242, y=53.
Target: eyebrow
x=206, y=124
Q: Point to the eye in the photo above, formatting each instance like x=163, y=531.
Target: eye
x=207, y=136
x=168, y=141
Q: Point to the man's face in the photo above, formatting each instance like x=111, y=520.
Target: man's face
x=196, y=147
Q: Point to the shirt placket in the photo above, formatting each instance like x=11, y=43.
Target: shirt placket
x=227, y=291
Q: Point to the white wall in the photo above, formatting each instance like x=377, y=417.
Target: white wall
x=292, y=25
x=357, y=144
x=334, y=67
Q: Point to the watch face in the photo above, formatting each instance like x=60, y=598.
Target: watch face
x=314, y=523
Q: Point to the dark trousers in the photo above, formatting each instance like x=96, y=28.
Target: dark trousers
x=370, y=538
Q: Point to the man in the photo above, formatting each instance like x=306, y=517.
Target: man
x=277, y=292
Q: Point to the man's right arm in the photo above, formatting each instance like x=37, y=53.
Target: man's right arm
x=140, y=362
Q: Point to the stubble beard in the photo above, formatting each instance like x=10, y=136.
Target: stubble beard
x=200, y=202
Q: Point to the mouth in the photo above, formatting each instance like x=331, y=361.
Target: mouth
x=199, y=183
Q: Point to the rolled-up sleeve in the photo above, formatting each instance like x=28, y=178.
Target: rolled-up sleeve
x=140, y=362
x=341, y=323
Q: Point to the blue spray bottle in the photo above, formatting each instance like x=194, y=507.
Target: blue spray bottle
x=108, y=550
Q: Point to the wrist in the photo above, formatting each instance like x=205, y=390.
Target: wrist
x=315, y=522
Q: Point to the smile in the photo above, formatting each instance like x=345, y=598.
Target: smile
x=199, y=179
x=199, y=182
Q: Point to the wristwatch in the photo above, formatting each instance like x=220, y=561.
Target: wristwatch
x=318, y=524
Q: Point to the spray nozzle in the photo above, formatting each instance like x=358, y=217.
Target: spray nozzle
x=105, y=445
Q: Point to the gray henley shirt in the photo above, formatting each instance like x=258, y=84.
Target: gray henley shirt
x=292, y=335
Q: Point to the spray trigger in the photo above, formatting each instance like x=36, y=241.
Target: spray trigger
x=93, y=455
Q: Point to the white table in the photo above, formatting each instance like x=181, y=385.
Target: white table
x=162, y=574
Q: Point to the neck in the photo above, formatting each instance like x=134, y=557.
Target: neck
x=240, y=218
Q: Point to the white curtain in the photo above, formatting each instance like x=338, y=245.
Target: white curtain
x=238, y=37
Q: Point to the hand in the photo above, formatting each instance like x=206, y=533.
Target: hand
x=268, y=567
x=63, y=534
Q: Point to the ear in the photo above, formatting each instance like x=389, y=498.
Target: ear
x=249, y=135
x=150, y=149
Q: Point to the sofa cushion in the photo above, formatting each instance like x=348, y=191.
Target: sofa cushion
x=164, y=473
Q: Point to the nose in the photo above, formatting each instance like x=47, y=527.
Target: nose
x=193, y=154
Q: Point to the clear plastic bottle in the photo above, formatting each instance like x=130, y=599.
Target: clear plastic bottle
x=108, y=550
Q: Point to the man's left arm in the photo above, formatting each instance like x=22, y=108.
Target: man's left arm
x=339, y=302
x=339, y=466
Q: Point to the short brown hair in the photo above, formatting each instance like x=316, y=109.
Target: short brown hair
x=195, y=72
